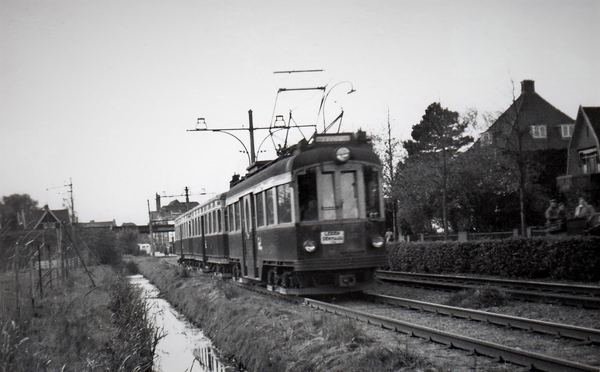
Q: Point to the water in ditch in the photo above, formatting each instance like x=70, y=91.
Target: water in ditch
x=184, y=347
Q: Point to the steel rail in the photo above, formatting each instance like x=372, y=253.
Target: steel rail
x=524, y=358
x=569, y=331
x=586, y=301
x=590, y=290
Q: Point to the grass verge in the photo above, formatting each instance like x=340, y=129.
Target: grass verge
x=265, y=334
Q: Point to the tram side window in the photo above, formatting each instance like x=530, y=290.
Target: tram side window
x=230, y=215
x=238, y=225
x=260, y=211
x=270, y=206
x=307, y=196
x=219, y=222
x=284, y=203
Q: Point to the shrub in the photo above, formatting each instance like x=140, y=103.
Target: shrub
x=103, y=246
x=130, y=268
x=567, y=258
x=127, y=242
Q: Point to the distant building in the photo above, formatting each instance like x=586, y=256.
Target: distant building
x=97, y=225
x=163, y=222
x=145, y=247
x=49, y=219
x=583, y=164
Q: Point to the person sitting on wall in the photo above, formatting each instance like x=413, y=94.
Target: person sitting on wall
x=552, y=213
x=562, y=213
x=584, y=209
x=389, y=236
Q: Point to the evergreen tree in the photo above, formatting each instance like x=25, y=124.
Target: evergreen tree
x=436, y=141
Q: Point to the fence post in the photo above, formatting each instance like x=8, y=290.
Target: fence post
x=515, y=232
x=463, y=236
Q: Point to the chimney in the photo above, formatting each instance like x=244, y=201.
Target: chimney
x=157, y=203
x=527, y=86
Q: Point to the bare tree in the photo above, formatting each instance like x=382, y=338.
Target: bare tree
x=388, y=149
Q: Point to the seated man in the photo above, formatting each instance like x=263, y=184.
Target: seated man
x=552, y=213
x=584, y=209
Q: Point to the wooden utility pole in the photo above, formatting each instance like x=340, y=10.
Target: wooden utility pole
x=150, y=229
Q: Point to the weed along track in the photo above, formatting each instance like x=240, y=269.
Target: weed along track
x=564, y=330
x=480, y=338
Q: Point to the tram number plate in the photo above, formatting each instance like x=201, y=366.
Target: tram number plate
x=332, y=237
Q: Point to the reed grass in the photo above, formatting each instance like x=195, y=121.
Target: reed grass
x=73, y=329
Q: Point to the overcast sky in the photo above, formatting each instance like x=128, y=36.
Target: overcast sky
x=103, y=92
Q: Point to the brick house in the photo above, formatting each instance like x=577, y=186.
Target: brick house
x=583, y=164
x=541, y=125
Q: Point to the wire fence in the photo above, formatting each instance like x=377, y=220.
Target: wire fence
x=33, y=263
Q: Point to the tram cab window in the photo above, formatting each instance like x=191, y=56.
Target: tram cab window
x=349, y=197
x=307, y=196
x=284, y=203
x=330, y=193
x=327, y=196
x=371, y=177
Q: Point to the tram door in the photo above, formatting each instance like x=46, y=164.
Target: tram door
x=248, y=237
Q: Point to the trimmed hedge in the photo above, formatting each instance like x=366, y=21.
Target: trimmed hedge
x=565, y=258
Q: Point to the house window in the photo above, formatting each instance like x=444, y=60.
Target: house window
x=538, y=131
x=588, y=160
x=486, y=139
x=566, y=130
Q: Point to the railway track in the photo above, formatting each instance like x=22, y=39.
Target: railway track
x=517, y=356
x=575, y=295
x=573, y=332
x=532, y=360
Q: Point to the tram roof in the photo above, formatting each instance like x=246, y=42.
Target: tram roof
x=320, y=150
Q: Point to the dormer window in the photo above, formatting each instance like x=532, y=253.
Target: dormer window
x=538, y=131
x=566, y=130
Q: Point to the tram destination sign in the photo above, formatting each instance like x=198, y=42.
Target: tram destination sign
x=332, y=237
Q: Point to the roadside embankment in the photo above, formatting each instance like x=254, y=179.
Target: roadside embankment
x=266, y=334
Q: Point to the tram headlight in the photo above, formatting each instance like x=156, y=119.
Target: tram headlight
x=342, y=154
x=310, y=246
x=377, y=241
